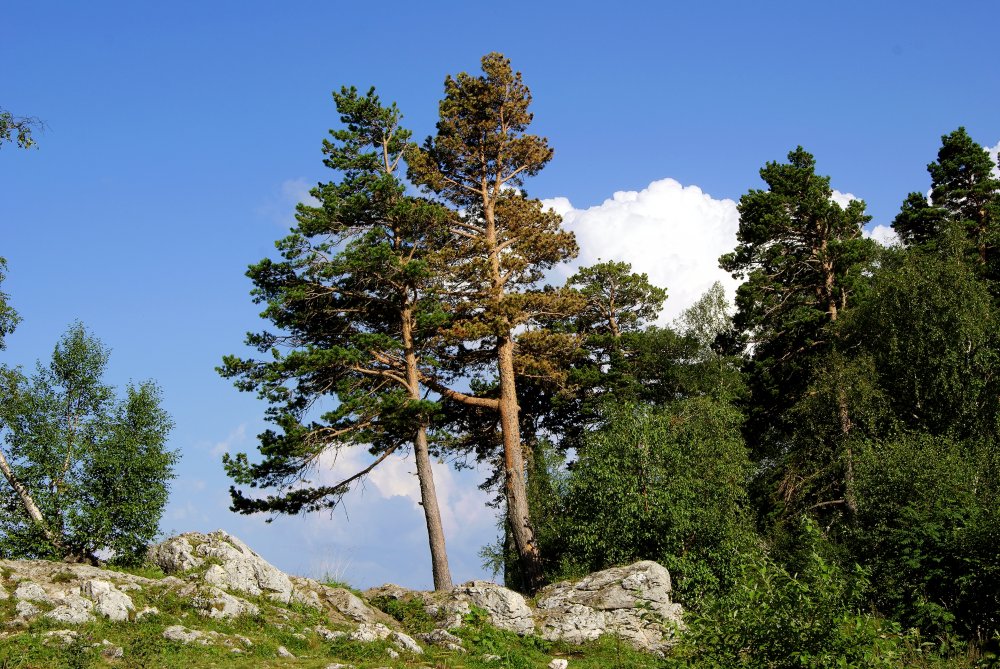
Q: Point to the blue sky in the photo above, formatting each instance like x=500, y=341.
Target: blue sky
x=180, y=135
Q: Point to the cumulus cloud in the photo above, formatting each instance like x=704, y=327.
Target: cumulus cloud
x=843, y=199
x=462, y=505
x=673, y=233
x=884, y=235
x=378, y=531
x=994, y=153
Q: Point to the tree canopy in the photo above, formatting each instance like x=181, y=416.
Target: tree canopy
x=85, y=471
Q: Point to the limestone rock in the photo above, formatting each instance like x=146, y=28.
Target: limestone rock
x=284, y=652
x=147, y=611
x=109, y=601
x=238, y=567
x=26, y=609
x=328, y=634
x=558, y=663
x=368, y=632
x=183, y=635
x=631, y=602
x=63, y=637
x=506, y=608
x=405, y=642
x=3, y=594
x=175, y=555
x=443, y=639
x=29, y=591
x=111, y=651
x=74, y=610
x=342, y=605
x=215, y=603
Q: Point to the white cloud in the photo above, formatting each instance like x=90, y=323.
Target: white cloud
x=234, y=438
x=843, y=199
x=462, y=505
x=294, y=191
x=883, y=234
x=994, y=153
x=671, y=232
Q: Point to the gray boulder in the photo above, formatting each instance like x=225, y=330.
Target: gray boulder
x=507, y=609
x=108, y=600
x=74, y=610
x=631, y=602
x=29, y=591
x=235, y=565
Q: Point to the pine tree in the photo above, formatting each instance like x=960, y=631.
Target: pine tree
x=352, y=302
x=502, y=242
x=802, y=257
x=964, y=201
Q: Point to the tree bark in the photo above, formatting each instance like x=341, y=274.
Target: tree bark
x=28, y=502
x=425, y=474
x=514, y=484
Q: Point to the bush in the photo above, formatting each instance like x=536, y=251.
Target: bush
x=665, y=485
x=776, y=619
x=928, y=529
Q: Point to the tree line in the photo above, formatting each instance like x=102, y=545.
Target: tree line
x=841, y=419
x=817, y=467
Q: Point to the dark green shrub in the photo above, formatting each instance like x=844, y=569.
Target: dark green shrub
x=665, y=485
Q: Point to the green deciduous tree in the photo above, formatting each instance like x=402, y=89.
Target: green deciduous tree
x=502, y=244
x=85, y=471
x=661, y=484
x=355, y=314
x=928, y=523
x=17, y=129
x=936, y=353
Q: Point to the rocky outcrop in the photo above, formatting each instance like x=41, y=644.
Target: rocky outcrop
x=217, y=576
x=230, y=564
x=227, y=565
x=631, y=602
x=507, y=609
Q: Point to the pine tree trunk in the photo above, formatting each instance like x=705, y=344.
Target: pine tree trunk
x=425, y=474
x=432, y=514
x=514, y=484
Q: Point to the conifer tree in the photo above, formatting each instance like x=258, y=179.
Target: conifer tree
x=964, y=200
x=802, y=256
x=502, y=242
x=352, y=303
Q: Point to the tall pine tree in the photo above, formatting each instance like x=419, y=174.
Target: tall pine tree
x=502, y=242
x=354, y=310
x=802, y=257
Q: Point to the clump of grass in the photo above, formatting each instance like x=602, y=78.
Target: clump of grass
x=145, y=570
x=408, y=610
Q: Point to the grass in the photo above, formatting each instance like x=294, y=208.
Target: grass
x=293, y=627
